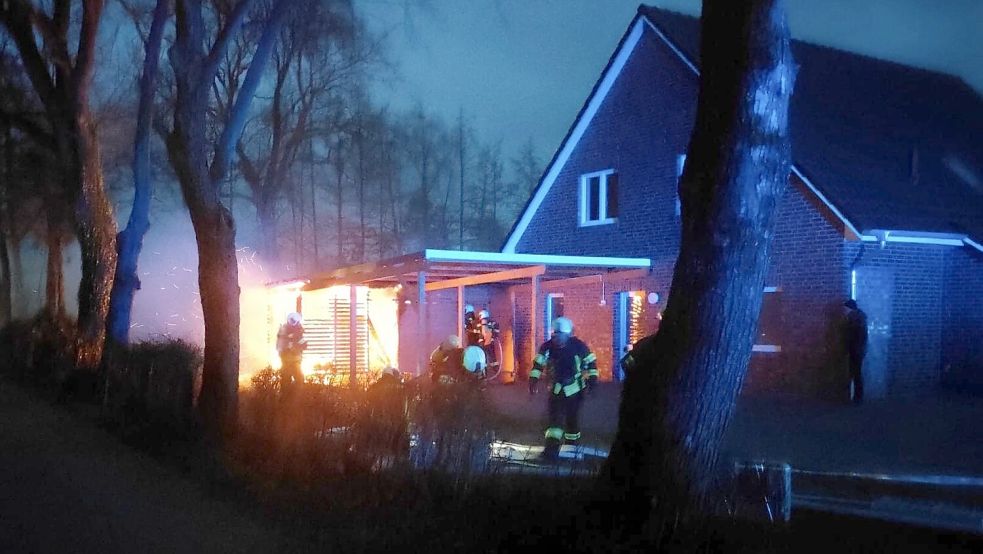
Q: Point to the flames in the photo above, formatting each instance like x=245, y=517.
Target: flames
x=327, y=329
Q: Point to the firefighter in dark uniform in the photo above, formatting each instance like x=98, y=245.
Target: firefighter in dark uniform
x=472, y=327
x=572, y=371
x=449, y=363
x=446, y=360
x=856, y=346
x=290, y=345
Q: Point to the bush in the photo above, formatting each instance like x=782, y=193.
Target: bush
x=153, y=383
x=39, y=350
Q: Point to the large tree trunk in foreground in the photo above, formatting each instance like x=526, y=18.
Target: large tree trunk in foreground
x=62, y=83
x=678, y=401
x=188, y=147
x=130, y=240
x=96, y=230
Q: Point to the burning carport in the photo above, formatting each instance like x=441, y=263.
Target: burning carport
x=404, y=306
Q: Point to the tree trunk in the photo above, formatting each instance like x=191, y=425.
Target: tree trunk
x=6, y=289
x=339, y=220
x=54, y=279
x=678, y=401
x=188, y=147
x=130, y=241
x=96, y=229
x=19, y=306
x=314, y=228
x=218, y=277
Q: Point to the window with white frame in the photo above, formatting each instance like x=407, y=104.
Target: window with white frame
x=598, y=197
x=769, y=322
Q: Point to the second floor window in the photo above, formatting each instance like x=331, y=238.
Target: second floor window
x=598, y=197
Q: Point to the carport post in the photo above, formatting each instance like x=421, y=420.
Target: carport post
x=533, y=317
x=353, y=335
x=460, y=313
x=422, y=323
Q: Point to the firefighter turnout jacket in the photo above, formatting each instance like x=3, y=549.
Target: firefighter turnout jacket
x=571, y=367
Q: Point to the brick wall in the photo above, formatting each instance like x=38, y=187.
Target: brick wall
x=913, y=327
x=807, y=267
x=635, y=134
x=962, y=316
x=594, y=322
x=639, y=131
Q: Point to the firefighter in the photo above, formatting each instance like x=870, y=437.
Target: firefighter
x=489, y=331
x=449, y=363
x=446, y=360
x=472, y=326
x=572, y=371
x=856, y=345
x=290, y=345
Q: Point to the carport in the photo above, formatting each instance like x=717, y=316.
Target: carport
x=416, y=275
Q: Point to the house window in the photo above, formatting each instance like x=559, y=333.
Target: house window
x=598, y=198
x=680, y=164
x=769, y=322
x=554, y=309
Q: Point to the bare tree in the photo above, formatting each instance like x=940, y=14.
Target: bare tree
x=188, y=145
x=129, y=242
x=315, y=57
x=62, y=80
x=679, y=400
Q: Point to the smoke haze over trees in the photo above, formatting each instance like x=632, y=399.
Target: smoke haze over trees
x=290, y=212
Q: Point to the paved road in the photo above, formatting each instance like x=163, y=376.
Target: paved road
x=68, y=487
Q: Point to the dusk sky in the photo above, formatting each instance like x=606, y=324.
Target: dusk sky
x=523, y=68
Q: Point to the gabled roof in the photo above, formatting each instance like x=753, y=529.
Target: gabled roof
x=886, y=146
x=886, y=143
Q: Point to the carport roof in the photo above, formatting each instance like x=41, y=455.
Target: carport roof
x=441, y=269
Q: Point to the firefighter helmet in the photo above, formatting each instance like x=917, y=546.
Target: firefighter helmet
x=468, y=309
x=483, y=314
x=562, y=325
x=294, y=318
x=451, y=342
x=474, y=360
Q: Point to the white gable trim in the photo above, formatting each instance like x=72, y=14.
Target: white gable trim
x=593, y=104
x=808, y=183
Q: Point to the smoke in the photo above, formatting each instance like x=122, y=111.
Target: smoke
x=168, y=304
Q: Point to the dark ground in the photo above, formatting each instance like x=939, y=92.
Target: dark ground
x=68, y=486
x=940, y=434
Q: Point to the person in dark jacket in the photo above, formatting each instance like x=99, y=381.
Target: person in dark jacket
x=855, y=335
x=472, y=327
x=572, y=371
x=290, y=344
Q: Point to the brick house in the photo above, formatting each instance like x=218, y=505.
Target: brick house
x=885, y=205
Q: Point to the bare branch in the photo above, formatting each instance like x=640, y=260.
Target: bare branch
x=15, y=16
x=84, y=66
x=225, y=35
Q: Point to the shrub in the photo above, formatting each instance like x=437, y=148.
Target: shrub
x=39, y=350
x=153, y=383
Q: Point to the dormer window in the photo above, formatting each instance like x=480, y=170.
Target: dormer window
x=598, y=198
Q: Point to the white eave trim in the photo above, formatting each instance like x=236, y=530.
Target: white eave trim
x=770, y=348
x=916, y=237
x=593, y=104
x=533, y=259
